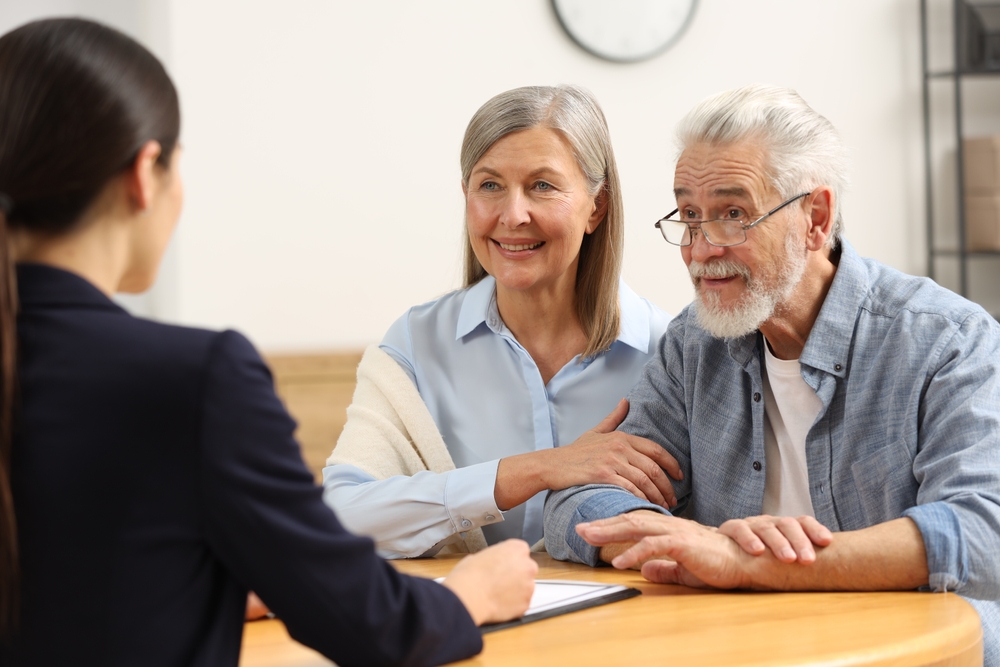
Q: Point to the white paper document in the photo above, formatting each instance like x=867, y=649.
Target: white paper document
x=553, y=597
x=552, y=594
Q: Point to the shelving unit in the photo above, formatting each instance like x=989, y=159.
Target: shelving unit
x=957, y=75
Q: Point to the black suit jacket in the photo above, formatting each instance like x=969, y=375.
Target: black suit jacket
x=156, y=480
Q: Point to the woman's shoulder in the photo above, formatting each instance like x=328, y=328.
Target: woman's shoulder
x=642, y=322
x=440, y=320
x=170, y=342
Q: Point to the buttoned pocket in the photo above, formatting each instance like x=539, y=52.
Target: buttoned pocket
x=885, y=483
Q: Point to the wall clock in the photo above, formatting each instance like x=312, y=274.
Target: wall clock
x=624, y=30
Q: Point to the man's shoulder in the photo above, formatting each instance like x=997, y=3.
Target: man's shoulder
x=687, y=345
x=893, y=294
x=685, y=329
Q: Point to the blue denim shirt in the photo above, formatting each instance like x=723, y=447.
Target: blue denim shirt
x=910, y=426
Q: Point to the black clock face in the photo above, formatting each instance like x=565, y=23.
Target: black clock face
x=624, y=30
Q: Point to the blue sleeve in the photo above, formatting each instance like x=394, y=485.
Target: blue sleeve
x=578, y=504
x=266, y=521
x=398, y=345
x=958, y=463
x=413, y=516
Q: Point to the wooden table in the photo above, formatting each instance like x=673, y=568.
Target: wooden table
x=688, y=627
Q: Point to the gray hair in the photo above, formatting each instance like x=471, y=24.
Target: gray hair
x=575, y=113
x=804, y=150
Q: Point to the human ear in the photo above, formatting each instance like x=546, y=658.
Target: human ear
x=821, y=213
x=140, y=180
x=600, y=209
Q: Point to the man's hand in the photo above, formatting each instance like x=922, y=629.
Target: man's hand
x=495, y=584
x=885, y=557
x=599, y=456
x=789, y=539
x=700, y=555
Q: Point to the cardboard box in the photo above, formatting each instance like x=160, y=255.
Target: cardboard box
x=982, y=165
x=982, y=222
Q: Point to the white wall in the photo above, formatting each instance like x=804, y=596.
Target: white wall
x=321, y=142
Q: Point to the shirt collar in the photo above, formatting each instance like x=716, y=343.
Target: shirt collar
x=480, y=306
x=829, y=342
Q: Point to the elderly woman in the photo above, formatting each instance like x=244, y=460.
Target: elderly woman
x=516, y=369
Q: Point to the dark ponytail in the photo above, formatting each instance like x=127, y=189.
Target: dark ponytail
x=8, y=375
x=78, y=101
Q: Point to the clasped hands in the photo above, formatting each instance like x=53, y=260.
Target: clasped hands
x=672, y=550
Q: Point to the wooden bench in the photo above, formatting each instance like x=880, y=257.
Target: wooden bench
x=316, y=390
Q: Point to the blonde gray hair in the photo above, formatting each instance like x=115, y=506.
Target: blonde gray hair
x=804, y=150
x=575, y=113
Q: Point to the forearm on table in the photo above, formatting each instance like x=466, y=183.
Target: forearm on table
x=609, y=551
x=566, y=508
x=887, y=556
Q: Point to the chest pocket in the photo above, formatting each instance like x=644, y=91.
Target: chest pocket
x=884, y=482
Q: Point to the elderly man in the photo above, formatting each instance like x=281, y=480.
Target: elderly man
x=804, y=381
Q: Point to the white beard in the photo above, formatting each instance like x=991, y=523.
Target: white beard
x=759, y=302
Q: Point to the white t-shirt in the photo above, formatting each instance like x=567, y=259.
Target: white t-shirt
x=791, y=407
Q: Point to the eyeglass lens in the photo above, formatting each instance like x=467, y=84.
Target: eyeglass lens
x=717, y=232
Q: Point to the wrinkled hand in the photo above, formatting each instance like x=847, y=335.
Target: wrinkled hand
x=495, y=584
x=606, y=456
x=789, y=539
x=701, y=555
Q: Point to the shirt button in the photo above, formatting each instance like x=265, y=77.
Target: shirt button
x=756, y=397
x=756, y=466
x=466, y=523
x=838, y=367
x=490, y=517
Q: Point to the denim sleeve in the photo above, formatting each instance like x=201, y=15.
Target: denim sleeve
x=568, y=507
x=958, y=463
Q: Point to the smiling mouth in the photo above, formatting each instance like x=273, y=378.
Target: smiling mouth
x=515, y=248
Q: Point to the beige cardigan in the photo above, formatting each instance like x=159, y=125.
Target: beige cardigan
x=389, y=432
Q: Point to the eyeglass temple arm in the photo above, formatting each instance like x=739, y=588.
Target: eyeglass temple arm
x=786, y=203
x=657, y=225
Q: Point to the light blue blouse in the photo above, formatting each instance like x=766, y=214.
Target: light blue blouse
x=488, y=400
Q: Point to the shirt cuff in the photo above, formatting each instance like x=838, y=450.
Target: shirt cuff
x=592, y=503
x=469, y=497
x=947, y=557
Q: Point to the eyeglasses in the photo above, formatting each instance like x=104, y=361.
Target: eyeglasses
x=722, y=233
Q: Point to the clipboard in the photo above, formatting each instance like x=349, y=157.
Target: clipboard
x=554, y=597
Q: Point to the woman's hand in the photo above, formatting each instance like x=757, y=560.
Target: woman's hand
x=599, y=456
x=788, y=538
x=495, y=584
x=255, y=607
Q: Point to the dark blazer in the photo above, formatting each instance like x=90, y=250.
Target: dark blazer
x=156, y=480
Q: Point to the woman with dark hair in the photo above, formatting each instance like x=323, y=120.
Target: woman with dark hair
x=148, y=473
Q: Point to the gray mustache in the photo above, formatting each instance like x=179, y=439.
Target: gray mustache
x=718, y=269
